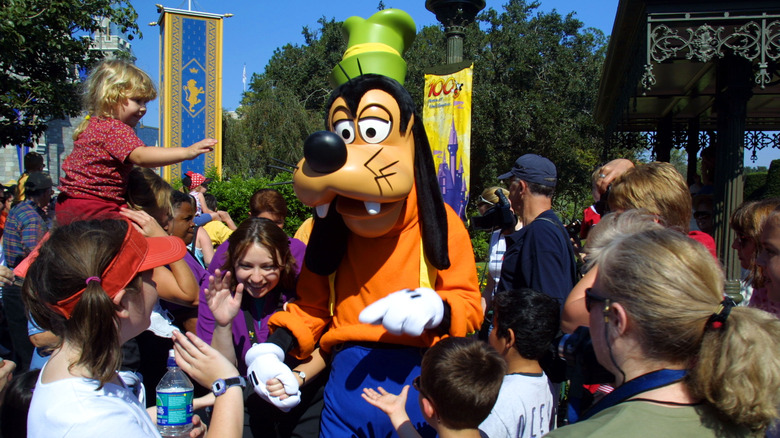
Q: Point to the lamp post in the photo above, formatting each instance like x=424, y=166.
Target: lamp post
x=455, y=15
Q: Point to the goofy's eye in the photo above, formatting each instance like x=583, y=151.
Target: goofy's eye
x=346, y=130
x=374, y=130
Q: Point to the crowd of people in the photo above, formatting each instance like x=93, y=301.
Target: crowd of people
x=100, y=282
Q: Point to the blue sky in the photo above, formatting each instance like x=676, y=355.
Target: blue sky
x=258, y=27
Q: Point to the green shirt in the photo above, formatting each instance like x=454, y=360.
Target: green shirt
x=638, y=419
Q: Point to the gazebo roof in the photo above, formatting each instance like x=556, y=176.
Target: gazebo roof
x=661, y=62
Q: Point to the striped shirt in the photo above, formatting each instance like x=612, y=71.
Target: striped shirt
x=25, y=226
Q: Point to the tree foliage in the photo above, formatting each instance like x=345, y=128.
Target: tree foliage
x=535, y=86
x=42, y=56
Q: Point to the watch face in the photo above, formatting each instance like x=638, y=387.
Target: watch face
x=218, y=387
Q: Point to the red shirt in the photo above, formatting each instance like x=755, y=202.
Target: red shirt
x=589, y=219
x=98, y=166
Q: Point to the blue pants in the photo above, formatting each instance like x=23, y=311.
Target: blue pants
x=355, y=367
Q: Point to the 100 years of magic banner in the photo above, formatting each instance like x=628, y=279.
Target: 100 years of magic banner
x=447, y=120
x=190, y=86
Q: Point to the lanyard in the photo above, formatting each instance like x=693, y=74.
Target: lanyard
x=259, y=303
x=646, y=382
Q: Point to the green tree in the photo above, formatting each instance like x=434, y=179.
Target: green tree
x=535, y=87
x=42, y=55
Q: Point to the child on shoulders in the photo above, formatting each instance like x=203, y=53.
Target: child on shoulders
x=106, y=147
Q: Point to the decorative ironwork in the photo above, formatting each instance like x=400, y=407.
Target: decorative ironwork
x=758, y=140
x=751, y=37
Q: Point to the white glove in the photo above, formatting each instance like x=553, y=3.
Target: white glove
x=406, y=311
x=265, y=362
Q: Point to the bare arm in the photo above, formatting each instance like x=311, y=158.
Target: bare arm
x=176, y=283
x=204, y=243
x=157, y=157
x=574, y=312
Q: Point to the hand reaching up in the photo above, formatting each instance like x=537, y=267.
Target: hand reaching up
x=224, y=305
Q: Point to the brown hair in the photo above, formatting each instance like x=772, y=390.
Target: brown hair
x=461, y=377
x=267, y=200
x=267, y=234
x=109, y=85
x=147, y=191
x=73, y=253
x=747, y=221
x=657, y=187
x=670, y=286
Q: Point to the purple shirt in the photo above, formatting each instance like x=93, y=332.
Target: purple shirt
x=241, y=338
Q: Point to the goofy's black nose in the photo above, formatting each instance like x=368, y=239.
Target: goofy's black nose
x=325, y=152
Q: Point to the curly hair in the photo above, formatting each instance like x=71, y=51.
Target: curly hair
x=109, y=85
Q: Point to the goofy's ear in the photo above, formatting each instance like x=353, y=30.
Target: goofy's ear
x=327, y=243
x=433, y=215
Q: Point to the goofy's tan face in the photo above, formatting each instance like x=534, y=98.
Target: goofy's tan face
x=367, y=168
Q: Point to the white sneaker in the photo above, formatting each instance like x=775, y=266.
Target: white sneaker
x=162, y=322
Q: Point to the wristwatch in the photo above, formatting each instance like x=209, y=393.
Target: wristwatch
x=302, y=374
x=221, y=385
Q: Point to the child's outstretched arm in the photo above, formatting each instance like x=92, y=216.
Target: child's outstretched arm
x=205, y=365
x=394, y=406
x=157, y=157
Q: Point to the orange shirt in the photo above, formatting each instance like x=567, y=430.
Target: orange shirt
x=372, y=269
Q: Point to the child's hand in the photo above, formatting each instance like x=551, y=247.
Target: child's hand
x=223, y=304
x=275, y=388
x=391, y=404
x=200, y=361
x=201, y=147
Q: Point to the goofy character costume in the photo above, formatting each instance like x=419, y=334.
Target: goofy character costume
x=389, y=269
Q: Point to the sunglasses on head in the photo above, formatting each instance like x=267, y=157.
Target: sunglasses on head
x=591, y=298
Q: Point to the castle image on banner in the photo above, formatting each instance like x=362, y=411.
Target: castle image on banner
x=450, y=176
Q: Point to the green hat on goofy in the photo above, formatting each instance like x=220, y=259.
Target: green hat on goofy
x=375, y=46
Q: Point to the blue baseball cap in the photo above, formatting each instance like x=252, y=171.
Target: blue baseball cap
x=535, y=169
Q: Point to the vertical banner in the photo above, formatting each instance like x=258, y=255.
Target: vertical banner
x=190, y=86
x=447, y=120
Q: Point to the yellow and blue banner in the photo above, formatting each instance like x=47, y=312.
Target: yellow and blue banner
x=190, y=86
x=447, y=120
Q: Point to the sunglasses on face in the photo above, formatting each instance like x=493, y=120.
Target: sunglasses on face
x=591, y=298
x=417, y=386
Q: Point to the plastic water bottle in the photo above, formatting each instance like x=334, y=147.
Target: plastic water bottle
x=174, y=401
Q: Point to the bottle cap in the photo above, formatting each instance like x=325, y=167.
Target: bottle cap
x=171, y=359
